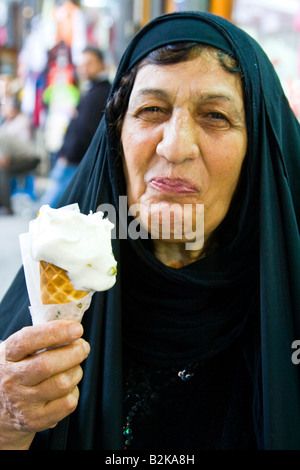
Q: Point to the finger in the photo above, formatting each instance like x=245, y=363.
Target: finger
x=57, y=386
x=46, y=416
x=62, y=407
x=35, y=338
x=37, y=368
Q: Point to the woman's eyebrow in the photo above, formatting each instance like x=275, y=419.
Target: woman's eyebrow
x=208, y=96
x=200, y=96
x=153, y=91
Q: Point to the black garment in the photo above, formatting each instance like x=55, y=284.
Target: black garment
x=84, y=125
x=258, y=263
x=164, y=409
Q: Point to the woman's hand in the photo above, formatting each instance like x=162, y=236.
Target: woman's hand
x=39, y=388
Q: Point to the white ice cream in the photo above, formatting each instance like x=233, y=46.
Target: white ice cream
x=78, y=243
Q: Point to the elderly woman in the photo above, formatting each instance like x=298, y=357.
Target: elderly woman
x=195, y=347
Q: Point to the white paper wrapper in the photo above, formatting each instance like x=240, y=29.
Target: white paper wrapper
x=41, y=313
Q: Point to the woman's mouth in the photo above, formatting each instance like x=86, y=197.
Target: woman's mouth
x=173, y=185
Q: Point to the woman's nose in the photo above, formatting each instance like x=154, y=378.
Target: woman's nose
x=179, y=139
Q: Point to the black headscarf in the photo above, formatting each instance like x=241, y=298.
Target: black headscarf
x=247, y=289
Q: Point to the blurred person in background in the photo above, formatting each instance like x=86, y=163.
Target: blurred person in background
x=95, y=90
x=17, y=153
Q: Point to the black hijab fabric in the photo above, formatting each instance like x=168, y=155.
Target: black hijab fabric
x=247, y=290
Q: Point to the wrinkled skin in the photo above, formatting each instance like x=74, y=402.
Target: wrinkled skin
x=38, y=388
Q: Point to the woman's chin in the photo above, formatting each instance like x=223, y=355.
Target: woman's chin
x=173, y=223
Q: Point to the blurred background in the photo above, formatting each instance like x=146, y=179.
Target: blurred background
x=41, y=42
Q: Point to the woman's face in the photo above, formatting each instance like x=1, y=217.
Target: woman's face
x=184, y=139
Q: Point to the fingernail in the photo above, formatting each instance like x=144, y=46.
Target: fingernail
x=87, y=347
x=75, y=330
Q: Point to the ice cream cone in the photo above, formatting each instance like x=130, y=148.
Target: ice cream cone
x=56, y=287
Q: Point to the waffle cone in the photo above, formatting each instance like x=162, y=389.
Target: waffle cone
x=56, y=287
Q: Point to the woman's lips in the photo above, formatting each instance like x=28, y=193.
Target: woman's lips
x=173, y=185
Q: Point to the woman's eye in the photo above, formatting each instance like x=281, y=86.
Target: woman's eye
x=215, y=119
x=152, y=109
x=152, y=114
x=218, y=116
